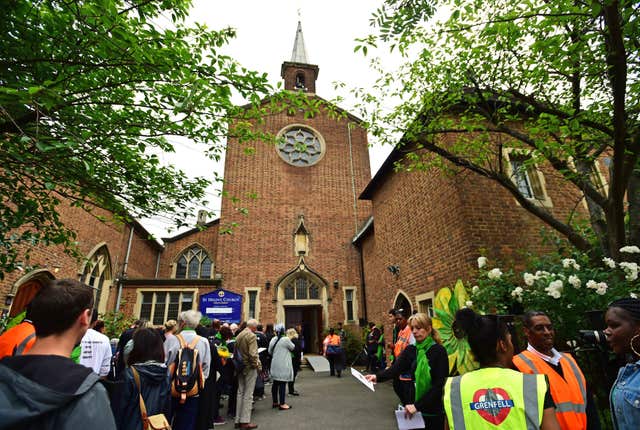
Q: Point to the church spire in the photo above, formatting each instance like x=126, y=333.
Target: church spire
x=298, y=74
x=299, y=53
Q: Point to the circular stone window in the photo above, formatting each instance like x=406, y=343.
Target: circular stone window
x=300, y=146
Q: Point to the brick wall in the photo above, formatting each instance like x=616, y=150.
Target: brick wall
x=433, y=226
x=261, y=246
x=91, y=233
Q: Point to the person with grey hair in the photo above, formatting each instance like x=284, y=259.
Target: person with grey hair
x=185, y=414
x=247, y=346
x=280, y=348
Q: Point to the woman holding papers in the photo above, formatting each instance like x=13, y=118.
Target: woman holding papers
x=428, y=362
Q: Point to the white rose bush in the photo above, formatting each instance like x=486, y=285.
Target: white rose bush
x=565, y=288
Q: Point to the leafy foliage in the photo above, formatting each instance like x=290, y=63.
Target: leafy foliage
x=91, y=92
x=557, y=81
x=565, y=288
x=7, y=322
x=115, y=322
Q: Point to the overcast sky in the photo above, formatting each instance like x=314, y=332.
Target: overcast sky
x=265, y=34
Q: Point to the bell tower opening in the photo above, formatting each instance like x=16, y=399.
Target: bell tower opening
x=297, y=73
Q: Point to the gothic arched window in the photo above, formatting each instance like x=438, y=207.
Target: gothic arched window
x=301, y=288
x=97, y=274
x=194, y=263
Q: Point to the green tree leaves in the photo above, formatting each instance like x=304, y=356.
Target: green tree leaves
x=556, y=79
x=90, y=91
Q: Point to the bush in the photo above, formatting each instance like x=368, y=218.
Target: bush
x=115, y=322
x=565, y=288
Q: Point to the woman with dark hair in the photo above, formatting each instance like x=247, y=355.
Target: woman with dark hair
x=428, y=363
x=495, y=395
x=623, y=335
x=146, y=360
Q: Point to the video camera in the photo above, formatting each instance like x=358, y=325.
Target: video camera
x=593, y=338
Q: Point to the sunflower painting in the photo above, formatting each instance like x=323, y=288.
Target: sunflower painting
x=446, y=304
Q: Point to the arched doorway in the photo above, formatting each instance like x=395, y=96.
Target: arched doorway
x=302, y=299
x=97, y=274
x=26, y=289
x=402, y=302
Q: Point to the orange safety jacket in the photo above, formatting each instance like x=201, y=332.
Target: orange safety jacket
x=330, y=340
x=568, y=392
x=404, y=337
x=17, y=340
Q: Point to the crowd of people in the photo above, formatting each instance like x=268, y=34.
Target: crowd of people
x=58, y=372
x=538, y=388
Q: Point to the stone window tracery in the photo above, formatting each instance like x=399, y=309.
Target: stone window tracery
x=194, y=263
x=301, y=288
x=300, y=146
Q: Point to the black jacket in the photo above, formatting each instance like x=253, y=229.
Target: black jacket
x=154, y=380
x=431, y=402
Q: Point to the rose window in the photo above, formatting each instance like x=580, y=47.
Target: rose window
x=300, y=147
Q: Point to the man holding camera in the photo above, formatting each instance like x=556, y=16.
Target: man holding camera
x=566, y=381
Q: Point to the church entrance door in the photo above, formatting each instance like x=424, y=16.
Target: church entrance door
x=310, y=319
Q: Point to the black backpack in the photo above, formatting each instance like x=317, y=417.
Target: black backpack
x=238, y=361
x=186, y=370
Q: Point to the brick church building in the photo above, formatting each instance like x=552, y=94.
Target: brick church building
x=322, y=243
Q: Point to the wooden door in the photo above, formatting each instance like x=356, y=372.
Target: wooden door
x=25, y=294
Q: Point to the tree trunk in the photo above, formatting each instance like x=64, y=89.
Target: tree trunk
x=633, y=196
x=596, y=214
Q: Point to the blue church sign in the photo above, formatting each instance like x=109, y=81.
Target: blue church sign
x=223, y=305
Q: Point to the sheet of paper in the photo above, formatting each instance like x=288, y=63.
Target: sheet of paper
x=261, y=349
x=415, y=422
x=360, y=377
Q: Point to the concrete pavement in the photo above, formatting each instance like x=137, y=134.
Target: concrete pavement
x=328, y=403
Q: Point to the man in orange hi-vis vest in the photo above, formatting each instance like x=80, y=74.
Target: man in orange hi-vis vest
x=19, y=339
x=566, y=381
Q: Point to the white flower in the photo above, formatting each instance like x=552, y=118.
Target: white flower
x=602, y=289
x=556, y=294
x=482, y=261
x=555, y=289
x=541, y=273
x=575, y=281
x=475, y=289
x=630, y=270
x=630, y=249
x=633, y=295
x=529, y=279
x=494, y=273
x=556, y=285
x=570, y=262
x=592, y=284
x=609, y=262
x=468, y=303
x=517, y=294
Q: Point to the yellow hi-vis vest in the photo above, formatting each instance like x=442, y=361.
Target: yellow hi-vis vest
x=494, y=398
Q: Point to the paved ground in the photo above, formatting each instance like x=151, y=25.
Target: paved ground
x=328, y=403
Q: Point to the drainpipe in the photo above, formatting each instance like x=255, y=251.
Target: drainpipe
x=363, y=285
x=124, y=266
x=158, y=264
x=353, y=178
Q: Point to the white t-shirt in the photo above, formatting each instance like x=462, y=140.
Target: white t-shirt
x=95, y=352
